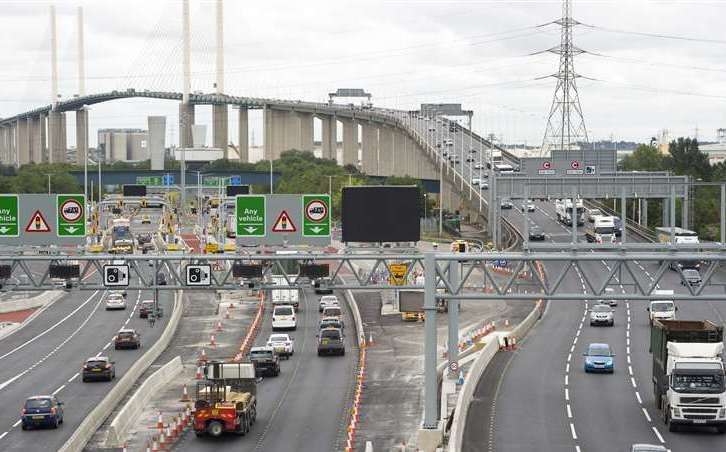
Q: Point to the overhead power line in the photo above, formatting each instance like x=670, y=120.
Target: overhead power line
x=655, y=35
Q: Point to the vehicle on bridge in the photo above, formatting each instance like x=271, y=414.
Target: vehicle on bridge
x=226, y=400
x=41, y=411
x=503, y=168
x=691, y=277
x=565, y=211
x=642, y=447
x=266, y=361
x=676, y=236
x=662, y=308
x=536, y=233
x=600, y=230
x=688, y=373
x=599, y=358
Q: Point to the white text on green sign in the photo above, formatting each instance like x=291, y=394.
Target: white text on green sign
x=9, y=224
x=250, y=213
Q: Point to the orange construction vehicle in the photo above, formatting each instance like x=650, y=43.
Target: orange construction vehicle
x=226, y=400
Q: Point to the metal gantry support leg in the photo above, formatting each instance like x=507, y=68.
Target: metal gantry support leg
x=453, y=318
x=672, y=212
x=623, y=211
x=430, y=344
x=525, y=244
x=722, y=218
x=573, y=217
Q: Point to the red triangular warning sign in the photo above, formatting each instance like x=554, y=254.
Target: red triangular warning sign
x=37, y=223
x=284, y=223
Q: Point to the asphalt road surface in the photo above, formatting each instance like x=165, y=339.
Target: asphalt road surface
x=544, y=399
x=303, y=409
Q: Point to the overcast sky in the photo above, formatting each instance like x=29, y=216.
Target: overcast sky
x=404, y=52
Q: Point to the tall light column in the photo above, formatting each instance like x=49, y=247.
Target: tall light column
x=81, y=55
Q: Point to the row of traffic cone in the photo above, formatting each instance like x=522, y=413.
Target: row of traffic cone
x=169, y=433
x=355, y=409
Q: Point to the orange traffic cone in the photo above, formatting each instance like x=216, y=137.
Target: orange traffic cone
x=198, y=375
x=160, y=422
x=185, y=395
x=213, y=341
x=219, y=325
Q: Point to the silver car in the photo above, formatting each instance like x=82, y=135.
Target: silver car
x=602, y=314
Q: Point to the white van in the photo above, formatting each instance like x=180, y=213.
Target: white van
x=283, y=317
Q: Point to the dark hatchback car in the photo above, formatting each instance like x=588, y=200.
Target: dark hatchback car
x=127, y=338
x=265, y=360
x=330, y=342
x=331, y=322
x=98, y=368
x=322, y=286
x=42, y=411
x=536, y=233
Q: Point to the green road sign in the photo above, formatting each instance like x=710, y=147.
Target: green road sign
x=149, y=180
x=316, y=215
x=9, y=224
x=250, y=213
x=71, y=215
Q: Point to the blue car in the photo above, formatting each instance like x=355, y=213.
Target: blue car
x=598, y=358
x=42, y=411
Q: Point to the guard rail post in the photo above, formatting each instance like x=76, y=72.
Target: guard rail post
x=453, y=320
x=430, y=343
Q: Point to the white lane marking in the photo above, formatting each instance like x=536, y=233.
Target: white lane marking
x=17, y=423
x=567, y=368
x=657, y=433
x=58, y=390
x=51, y=328
x=574, y=342
x=630, y=370
x=567, y=380
x=577, y=448
x=567, y=394
x=627, y=350
x=3, y=435
x=647, y=416
x=569, y=357
x=632, y=381
x=628, y=357
x=73, y=377
x=637, y=396
x=106, y=346
x=569, y=411
x=627, y=341
x=572, y=349
x=52, y=352
x=572, y=430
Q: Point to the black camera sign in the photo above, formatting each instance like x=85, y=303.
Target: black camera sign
x=199, y=275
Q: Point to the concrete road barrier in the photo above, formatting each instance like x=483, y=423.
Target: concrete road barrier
x=95, y=418
x=127, y=416
x=37, y=301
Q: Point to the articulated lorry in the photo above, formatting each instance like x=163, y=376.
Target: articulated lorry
x=688, y=373
x=601, y=229
x=566, y=211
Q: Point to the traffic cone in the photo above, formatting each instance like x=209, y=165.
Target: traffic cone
x=162, y=440
x=460, y=380
x=148, y=446
x=226, y=314
x=213, y=341
x=203, y=356
x=506, y=323
x=160, y=422
x=219, y=325
x=513, y=341
x=155, y=445
x=198, y=375
x=370, y=339
x=185, y=395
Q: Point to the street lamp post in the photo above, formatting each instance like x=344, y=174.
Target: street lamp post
x=270, y=175
x=49, y=174
x=85, y=154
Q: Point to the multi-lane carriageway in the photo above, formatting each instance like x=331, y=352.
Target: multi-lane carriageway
x=543, y=399
x=46, y=355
